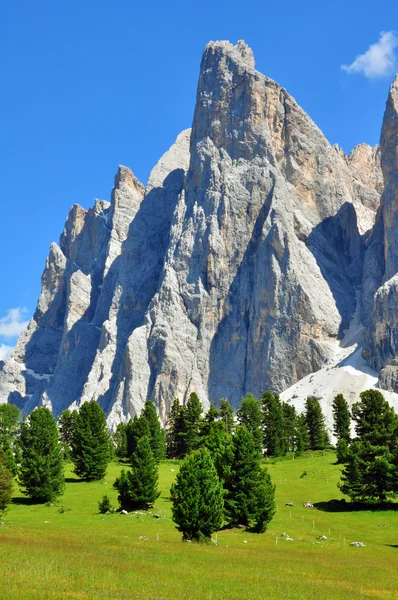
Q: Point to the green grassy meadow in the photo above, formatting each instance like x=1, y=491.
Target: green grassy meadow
x=71, y=551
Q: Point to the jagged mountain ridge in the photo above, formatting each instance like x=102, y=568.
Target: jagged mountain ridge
x=233, y=271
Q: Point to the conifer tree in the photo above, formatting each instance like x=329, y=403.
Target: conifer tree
x=209, y=421
x=250, y=415
x=91, y=442
x=197, y=497
x=9, y=424
x=249, y=494
x=175, y=435
x=341, y=418
x=227, y=415
x=290, y=427
x=370, y=467
x=6, y=483
x=119, y=438
x=273, y=424
x=66, y=423
x=138, y=488
x=219, y=443
x=317, y=434
x=302, y=438
x=41, y=473
x=135, y=430
x=192, y=413
x=157, y=438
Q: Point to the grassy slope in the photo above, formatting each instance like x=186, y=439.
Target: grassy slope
x=80, y=554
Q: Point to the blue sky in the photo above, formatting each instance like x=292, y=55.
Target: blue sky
x=88, y=85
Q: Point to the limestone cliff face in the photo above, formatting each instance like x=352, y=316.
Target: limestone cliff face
x=381, y=342
x=233, y=271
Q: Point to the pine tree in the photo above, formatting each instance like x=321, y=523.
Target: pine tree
x=192, y=413
x=210, y=420
x=42, y=472
x=317, y=434
x=9, y=424
x=302, y=438
x=370, y=467
x=290, y=427
x=66, y=424
x=6, y=483
x=157, y=437
x=175, y=435
x=273, y=424
x=227, y=415
x=219, y=443
x=138, y=488
x=91, y=442
x=250, y=415
x=135, y=430
x=119, y=438
x=341, y=418
x=249, y=493
x=197, y=497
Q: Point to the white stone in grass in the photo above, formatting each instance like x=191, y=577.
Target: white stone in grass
x=357, y=544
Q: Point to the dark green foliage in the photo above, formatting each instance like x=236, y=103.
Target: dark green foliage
x=41, y=474
x=157, y=438
x=91, y=442
x=341, y=418
x=136, y=429
x=250, y=415
x=249, y=498
x=104, y=506
x=317, y=434
x=370, y=471
x=376, y=421
x=302, y=438
x=342, y=448
x=119, y=438
x=211, y=419
x=138, y=488
x=290, y=427
x=219, y=443
x=6, y=483
x=273, y=424
x=197, y=497
x=9, y=424
x=66, y=423
x=227, y=415
x=193, y=410
x=175, y=436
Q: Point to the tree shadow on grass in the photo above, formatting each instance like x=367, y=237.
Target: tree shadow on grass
x=73, y=480
x=392, y=545
x=342, y=506
x=25, y=501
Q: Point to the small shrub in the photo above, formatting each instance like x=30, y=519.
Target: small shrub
x=105, y=505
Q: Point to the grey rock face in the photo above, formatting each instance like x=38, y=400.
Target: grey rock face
x=230, y=273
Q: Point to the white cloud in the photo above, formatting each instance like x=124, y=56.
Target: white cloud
x=13, y=323
x=5, y=351
x=378, y=60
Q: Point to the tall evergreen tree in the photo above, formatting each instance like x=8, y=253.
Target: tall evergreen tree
x=193, y=411
x=219, y=443
x=138, y=488
x=91, y=442
x=41, y=473
x=250, y=415
x=157, y=437
x=175, y=435
x=341, y=418
x=135, y=430
x=249, y=493
x=227, y=415
x=9, y=425
x=197, y=497
x=119, y=438
x=6, y=483
x=317, y=434
x=210, y=420
x=302, y=437
x=370, y=467
x=290, y=427
x=66, y=423
x=273, y=424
